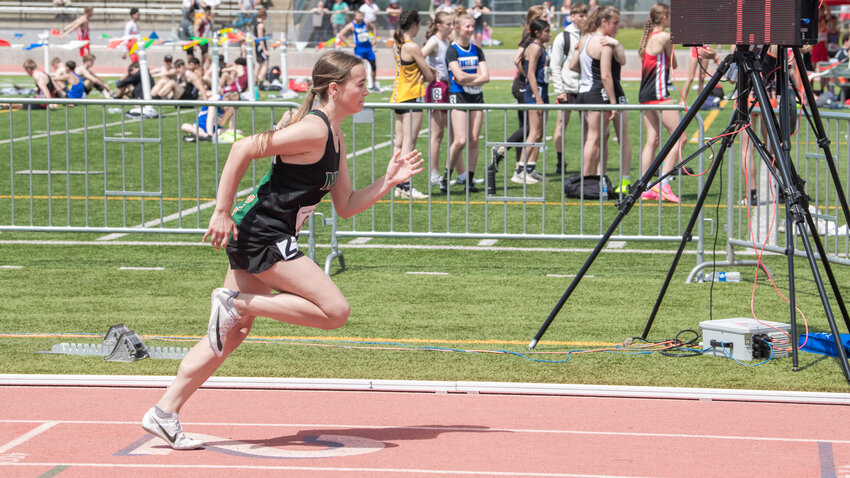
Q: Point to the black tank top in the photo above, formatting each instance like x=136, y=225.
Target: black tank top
x=285, y=198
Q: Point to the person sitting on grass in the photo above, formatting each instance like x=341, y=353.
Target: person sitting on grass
x=45, y=88
x=131, y=84
x=186, y=84
x=90, y=79
x=207, y=126
x=74, y=86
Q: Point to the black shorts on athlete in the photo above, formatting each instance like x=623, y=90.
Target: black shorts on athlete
x=410, y=110
x=456, y=98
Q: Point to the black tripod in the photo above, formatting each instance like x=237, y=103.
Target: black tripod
x=781, y=168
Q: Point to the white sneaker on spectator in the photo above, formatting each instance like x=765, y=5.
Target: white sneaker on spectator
x=534, y=174
x=521, y=177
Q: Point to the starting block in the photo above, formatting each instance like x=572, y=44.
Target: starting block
x=120, y=344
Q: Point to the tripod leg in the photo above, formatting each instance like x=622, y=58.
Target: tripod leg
x=686, y=235
x=801, y=214
x=823, y=141
x=634, y=192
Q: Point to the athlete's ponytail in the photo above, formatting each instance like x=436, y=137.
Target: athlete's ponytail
x=657, y=14
x=406, y=21
x=440, y=17
x=334, y=66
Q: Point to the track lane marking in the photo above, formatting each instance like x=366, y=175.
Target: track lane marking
x=28, y=435
x=454, y=429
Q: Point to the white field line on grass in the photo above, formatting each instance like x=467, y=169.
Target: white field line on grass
x=78, y=130
x=209, y=204
x=422, y=247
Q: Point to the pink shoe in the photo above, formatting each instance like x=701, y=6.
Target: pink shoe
x=667, y=194
x=649, y=195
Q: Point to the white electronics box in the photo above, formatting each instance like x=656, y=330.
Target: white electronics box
x=734, y=337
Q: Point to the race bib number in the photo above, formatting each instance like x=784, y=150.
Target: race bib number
x=472, y=89
x=437, y=94
x=303, y=215
x=363, y=38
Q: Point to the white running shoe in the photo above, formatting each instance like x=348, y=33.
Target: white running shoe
x=436, y=179
x=523, y=178
x=223, y=317
x=408, y=193
x=170, y=430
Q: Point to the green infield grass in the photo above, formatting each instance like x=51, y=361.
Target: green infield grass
x=413, y=298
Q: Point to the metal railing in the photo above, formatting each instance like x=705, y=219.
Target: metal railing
x=762, y=225
x=92, y=169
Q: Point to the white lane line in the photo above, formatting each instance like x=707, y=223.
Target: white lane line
x=462, y=429
x=616, y=244
x=316, y=468
x=58, y=172
x=26, y=436
x=43, y=134
x=11, y=267
x=426, y=273
x=487, y=242
x=141, y=268
x=567, y=276
x=360, y=240
x=209, y=204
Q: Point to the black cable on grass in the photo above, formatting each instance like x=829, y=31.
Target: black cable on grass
x=683, y=348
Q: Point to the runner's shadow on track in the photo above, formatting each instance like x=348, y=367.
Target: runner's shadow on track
x=385, y=435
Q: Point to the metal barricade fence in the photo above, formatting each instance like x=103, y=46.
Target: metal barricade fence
x=763, y=223
x=92, y=169
x=516, y=211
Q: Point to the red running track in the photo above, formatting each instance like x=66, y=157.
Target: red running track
x=94, y=431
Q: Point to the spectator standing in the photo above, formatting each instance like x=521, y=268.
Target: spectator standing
x=565, y=14
x=370, y=12
x=393, y=12
x=655, y=51
x=564, y=80
x=600, y=60
x=549, y=13
x=536, y=92
x=467, y=72
x=81, y=25
x=318, y=19
x=261, y=47
x=478, y=11
x=844, y=52
x=447, y=7
x=131, y=29
x=518, y=92
x=436, y=45
x=204, y=29
x=364, y=41
x=340, y=9
x=411, y=68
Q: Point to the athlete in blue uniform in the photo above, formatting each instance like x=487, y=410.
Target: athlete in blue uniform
x=364, y=42
x=268, y=275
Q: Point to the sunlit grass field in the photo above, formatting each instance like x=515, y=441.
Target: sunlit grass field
x=406, y=293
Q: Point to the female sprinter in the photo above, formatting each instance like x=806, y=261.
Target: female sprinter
x=467, y=72
x=436, y=45
x=656, y=59
x=599, y=62
x=264, y=256
x=410, y=69
x=534, y=63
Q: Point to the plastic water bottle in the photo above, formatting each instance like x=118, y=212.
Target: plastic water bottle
x=724, y=277
x=604, y=193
